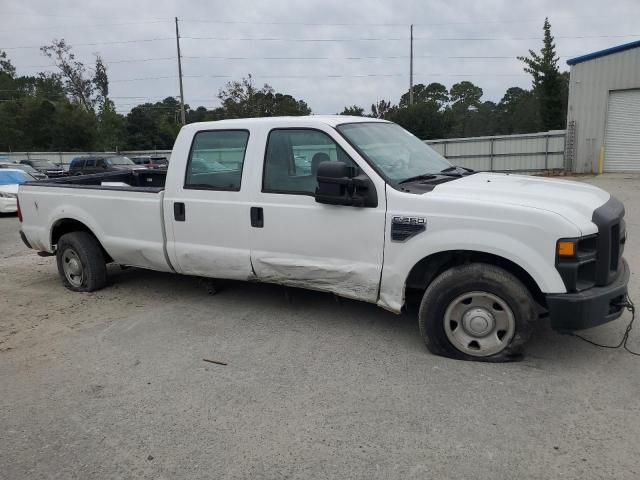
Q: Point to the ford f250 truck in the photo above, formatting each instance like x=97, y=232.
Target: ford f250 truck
x=353, y=206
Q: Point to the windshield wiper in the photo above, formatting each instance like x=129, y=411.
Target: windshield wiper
x=458, y=171
x=424, y=176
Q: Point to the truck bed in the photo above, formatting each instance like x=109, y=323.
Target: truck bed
x=126, y=216
x=136, y=180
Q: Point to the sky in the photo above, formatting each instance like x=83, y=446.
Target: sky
x=329, y=53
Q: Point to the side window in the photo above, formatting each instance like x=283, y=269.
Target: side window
x=216, y=160
x=100, y=163
x=91, y=163
x=292, y=159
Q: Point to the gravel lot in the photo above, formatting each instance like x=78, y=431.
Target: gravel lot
x=112, y=384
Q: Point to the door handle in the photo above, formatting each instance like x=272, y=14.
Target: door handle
x=179, y=212
x=257, y=217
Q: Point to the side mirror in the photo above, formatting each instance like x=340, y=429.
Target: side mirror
x=338, y=185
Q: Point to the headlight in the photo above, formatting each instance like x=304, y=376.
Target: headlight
x=576, y=261
x=566, y=248
x=8, y=195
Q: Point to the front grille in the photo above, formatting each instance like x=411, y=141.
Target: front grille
x=615, y=248
x=611, y=236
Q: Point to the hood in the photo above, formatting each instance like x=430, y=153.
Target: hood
x=572, y=200
x=13, y=188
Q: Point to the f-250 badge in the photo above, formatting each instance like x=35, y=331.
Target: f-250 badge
x=410, y=220
x=403, y=228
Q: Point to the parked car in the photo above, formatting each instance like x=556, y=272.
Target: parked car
x=150, y=161
x=100, y=164
x=379, y=217
x=9, y=181
x=50, y=169
x=25, y=168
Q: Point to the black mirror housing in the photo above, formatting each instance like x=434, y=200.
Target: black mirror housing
x=338, y=185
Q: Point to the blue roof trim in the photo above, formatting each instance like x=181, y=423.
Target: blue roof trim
x=603, y=53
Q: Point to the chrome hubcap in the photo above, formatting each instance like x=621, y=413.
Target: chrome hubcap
x=479, y=323
x=72, y=267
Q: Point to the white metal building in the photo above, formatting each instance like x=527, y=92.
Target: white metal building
x=603, y=118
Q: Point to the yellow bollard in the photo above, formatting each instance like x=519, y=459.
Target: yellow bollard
x=601, y=160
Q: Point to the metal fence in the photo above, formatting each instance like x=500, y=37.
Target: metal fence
x=63, y=159
x=531, y=152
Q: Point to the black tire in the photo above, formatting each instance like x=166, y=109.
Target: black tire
x=84, y=249
x=470, y=280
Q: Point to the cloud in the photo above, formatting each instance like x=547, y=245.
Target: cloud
x=328, y=83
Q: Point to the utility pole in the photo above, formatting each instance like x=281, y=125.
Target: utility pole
x=183, y=116
x=410, y=67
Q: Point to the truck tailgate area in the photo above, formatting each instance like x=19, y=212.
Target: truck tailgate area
x=127, y=221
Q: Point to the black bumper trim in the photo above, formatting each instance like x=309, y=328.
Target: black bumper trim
x=591, y=307
x=24, y=239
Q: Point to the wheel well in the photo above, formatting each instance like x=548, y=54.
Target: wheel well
x=68, y=225
x=427, y=269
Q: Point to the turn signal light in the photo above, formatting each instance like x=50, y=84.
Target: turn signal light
x=566, y=248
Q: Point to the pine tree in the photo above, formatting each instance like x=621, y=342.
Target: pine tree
x=547, y=81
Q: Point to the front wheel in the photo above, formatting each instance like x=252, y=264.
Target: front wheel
x=81, y=263
x=477, y=312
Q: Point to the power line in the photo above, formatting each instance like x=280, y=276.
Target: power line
x=97, y=43
x=478, y=21
x=31, y=14
x=369, y=75
x=142, y=79
x=373, y=57
x=392, y=39
x=80, y=25
x=383, y=24
x=329, y=40
x=566, y=37
x=283, y=39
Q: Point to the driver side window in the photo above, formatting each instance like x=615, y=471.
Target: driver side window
x=292, y=159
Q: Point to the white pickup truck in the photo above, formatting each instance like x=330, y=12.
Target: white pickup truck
x=353, y=206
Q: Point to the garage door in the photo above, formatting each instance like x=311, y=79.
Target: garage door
x=622, y=135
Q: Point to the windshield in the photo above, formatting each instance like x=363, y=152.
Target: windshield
x=393, y=150
x=12, y=177
x=120, y=161
x=44, y=164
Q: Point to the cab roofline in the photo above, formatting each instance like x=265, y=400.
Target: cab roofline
x=332, y=120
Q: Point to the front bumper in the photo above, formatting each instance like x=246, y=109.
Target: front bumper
x=8, y=205
x=591, y=307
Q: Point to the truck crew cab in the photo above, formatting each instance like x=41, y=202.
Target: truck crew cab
x=354, y=206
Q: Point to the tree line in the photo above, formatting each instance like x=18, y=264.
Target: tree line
x=71, y=110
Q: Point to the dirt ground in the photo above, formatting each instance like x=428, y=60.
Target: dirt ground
x=112, y=384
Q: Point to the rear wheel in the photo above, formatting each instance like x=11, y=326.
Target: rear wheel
x=477, y=312
x=81, y=263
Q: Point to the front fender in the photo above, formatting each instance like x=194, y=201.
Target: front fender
x=400, y=258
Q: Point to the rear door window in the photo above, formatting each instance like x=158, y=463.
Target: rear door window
x=216, y=160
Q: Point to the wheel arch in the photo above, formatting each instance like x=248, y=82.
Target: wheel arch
x=428, y=268
x=69, y=225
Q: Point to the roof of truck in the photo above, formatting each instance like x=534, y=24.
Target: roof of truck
x=332, y=120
